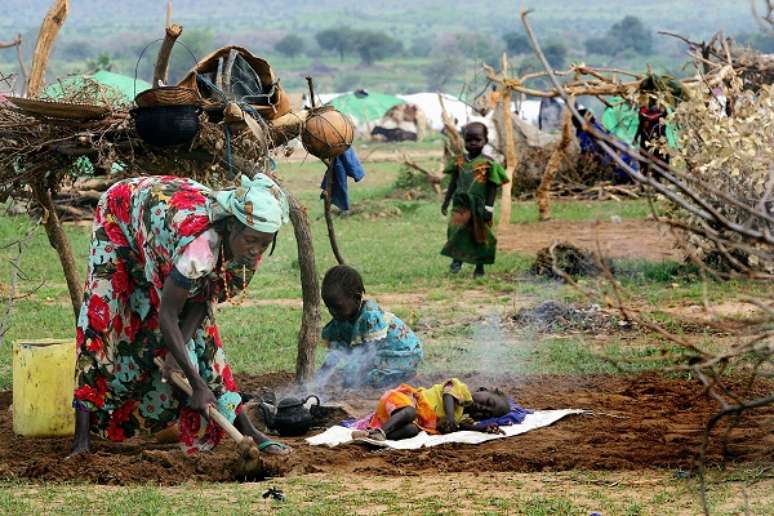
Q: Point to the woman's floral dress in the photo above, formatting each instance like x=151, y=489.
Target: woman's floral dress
x=144, y=229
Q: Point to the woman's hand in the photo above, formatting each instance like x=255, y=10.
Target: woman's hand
x=445, y=209
x=201, y=399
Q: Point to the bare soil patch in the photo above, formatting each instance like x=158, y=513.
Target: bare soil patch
x=639, y=422
x=631, y=239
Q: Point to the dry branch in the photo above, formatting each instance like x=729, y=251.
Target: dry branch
x=48, y=32
x=511, y=159
x=754, y=340
x=455, y=140
x=309, y=331
x=172, y=32
x=552, y=167
x=433, y=179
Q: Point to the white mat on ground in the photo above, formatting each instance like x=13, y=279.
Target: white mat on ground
x=337, y=435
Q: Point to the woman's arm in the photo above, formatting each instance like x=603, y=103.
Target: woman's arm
x=173, y=300
x=191, y=319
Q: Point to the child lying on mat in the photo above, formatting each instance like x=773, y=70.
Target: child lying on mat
x=443, y=408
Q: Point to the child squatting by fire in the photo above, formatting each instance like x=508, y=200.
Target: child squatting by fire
x=374, y=347
x=403, y=412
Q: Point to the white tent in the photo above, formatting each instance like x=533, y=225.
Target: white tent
x=431, y=106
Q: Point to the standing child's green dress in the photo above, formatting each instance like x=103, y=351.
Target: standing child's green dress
x=469, y=236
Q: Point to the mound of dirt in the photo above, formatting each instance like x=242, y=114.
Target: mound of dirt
x=568, y=259
x=553, y=316
x=638, y=422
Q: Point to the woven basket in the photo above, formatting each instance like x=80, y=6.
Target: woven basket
x=168, y=96
x=55, y=109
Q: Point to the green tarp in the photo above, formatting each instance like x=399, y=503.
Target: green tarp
x=365, y=108
x=123, y=85
x=623, y=120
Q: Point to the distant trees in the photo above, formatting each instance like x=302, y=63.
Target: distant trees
x=336, y=40
x=442, y=70
x=291, y=45
x=627, y=34
x=556, y=54
x=421, y=47
x=370, y=45
x=374, y=46
x=102, y=62
x=517, y=43
x=478, y=47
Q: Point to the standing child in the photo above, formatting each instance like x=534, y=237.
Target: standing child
x=376, y=347
x=475, y=178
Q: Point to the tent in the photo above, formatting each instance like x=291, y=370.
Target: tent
x=123, y=85
x=402, y=122
x=623, y=121
x=429, y=104
x=365, y=108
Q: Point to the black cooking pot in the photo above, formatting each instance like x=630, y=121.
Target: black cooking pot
x=290, y=417
x=167, y=125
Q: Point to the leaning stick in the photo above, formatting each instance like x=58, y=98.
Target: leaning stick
x=181, y=382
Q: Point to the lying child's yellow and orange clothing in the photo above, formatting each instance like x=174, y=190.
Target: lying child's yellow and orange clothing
x=427, y=402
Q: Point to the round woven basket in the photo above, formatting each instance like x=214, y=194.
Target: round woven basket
x=168, y=96
x=327, y=133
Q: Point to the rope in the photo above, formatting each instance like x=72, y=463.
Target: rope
x=142, y=53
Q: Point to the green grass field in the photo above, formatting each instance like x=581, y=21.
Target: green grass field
x=399, y=254
x=398, y=257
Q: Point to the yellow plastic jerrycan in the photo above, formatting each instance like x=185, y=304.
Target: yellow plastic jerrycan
x=43, y=383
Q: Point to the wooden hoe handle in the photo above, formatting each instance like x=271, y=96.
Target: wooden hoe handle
x=181, y=382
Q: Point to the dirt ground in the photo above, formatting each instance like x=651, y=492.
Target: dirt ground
x=638, y=422
x=631, y=239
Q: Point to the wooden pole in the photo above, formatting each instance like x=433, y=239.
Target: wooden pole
x=48, y=32
x=160, y=77
x=328, y=215
x=42, y=192
x=309, y=332
x=511, y=159
x=58, y=240
x=328, y=188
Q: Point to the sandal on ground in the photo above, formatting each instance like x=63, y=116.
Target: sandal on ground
x=284, y=448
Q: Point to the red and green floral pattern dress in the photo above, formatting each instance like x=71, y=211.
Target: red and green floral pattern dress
x=142, y=228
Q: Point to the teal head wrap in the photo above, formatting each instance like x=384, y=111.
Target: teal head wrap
x=258, y=203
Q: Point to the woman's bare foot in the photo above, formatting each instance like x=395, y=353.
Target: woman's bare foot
x=80, y=444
